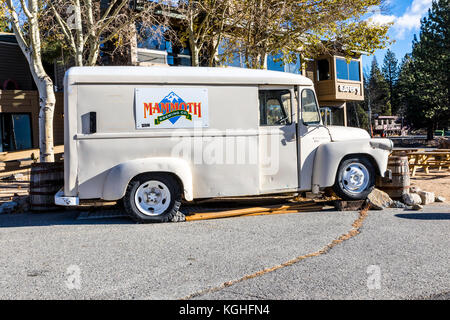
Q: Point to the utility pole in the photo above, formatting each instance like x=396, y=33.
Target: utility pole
x=370, y=111
x=356, y=114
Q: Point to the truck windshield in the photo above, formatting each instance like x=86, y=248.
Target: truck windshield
x=310, y=112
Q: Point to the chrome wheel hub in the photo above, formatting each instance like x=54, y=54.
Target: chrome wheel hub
x=355, y=178
x=152, y=198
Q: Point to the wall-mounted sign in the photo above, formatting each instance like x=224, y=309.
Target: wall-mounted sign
x=347, y=88
x=171, y=108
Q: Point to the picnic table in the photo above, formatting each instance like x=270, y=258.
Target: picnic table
x=438, y=158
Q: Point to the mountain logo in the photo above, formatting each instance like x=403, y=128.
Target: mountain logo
x=174, y=98
x=172, y=107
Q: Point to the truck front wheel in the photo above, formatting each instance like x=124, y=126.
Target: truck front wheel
x=355, y=179
x=153, y=197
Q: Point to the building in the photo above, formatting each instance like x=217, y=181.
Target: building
x=337, y=81
x=19, y=101
x=14, y=71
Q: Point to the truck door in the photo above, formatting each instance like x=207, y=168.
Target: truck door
x=311, y=134
x=277, y=139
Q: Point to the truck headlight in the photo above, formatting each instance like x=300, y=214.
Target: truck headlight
x=384, y=144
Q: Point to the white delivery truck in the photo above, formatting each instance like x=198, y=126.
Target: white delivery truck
x=157, y=136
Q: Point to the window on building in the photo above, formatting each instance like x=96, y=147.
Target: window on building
x=332, y=116
x=348, y=71
x=275, y=64
x=326, y=116
x=310, y=110
x=354, y=71
x=179, y=56
x=323, y=70
x=294, y=67
x=153, y=38
x=15, y=132
x=275, y=107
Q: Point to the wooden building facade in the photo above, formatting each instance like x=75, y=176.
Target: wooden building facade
x=14, y=71
x=19, y=120
x=337, y=81
x=19, y=101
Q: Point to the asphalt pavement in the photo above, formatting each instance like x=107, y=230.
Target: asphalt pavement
x=398, y=254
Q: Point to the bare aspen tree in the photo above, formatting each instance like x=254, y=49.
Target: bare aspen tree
x=84, y=26
x=23, y=16
x=206, y=24
x=308, y=27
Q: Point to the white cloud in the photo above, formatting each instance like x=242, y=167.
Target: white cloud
x=381, y=19
x=410, y=20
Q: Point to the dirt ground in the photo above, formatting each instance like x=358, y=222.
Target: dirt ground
x=436, y=181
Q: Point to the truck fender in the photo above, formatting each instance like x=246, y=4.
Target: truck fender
x=120, y=175
x=329, y=156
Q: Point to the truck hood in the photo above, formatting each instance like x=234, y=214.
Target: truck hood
x=347, y=133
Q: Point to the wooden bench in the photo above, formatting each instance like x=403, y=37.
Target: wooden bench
x=429, y=159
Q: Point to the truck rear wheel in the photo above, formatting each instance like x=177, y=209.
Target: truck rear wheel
x=355, y=179
x=152, y=197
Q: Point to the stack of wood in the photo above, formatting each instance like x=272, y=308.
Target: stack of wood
x=15, y=168
x=14, y=185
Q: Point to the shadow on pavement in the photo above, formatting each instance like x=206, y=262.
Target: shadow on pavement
x=424, y=216
x=54, y=218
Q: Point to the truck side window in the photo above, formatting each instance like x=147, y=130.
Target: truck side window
x=275, y=107
x=310, y=112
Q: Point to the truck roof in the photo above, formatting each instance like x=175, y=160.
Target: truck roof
x=181, y=75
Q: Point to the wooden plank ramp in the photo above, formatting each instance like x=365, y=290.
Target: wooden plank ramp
x=290, y=207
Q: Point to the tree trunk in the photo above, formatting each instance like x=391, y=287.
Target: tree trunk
x=193, y=43
x=32, y=52
x=264, y=61
x=195, y=55
x=430, y=131
x=46, y=109
x=79, y=44
x=214, y=53
x=133, y=60
x=93, y=55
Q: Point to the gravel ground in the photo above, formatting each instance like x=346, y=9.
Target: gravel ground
x=436, y=181
x=117, y=259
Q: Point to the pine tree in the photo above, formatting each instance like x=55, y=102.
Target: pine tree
x=357, y=116
x=426, y=86
x=378, y=91
x=405, y=89
x=390, y=72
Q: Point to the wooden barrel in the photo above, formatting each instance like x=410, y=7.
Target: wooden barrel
x=400, y=183
x=45, y=180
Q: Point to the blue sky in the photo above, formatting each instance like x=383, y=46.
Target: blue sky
x=406, y=15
